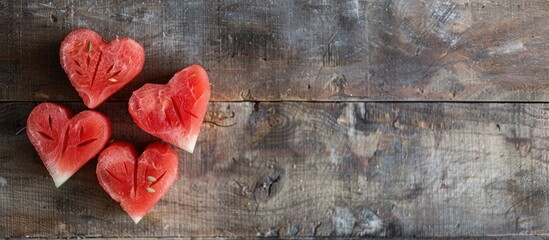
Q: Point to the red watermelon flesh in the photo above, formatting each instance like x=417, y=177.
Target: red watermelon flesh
x=137, y=183
x=63, y=142
x=96, y=69
x=173, y=112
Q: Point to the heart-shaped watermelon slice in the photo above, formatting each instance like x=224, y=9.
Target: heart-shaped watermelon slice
x=96, y=69
x=173, y=112
x=63, y=142
x=137, y=182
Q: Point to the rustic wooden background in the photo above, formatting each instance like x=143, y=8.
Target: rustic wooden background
x=327, y=118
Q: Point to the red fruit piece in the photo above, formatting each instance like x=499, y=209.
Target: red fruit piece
x=96, y=69
x=137, y=183
x=63, y=142
x=173, y=112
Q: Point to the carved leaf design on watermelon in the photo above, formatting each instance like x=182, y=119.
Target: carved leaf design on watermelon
x=63, y=142
x=98, y=69
x=173, y=112
x=137, y=183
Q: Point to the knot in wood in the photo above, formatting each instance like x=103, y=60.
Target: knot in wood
x=268, y=184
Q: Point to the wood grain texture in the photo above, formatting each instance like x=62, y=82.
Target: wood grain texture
x=295, y=50
x=307, y=169
x=292, y=144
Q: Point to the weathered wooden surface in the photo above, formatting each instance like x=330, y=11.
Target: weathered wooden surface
x=311, y=167
x=339, y=169
x=296, y=50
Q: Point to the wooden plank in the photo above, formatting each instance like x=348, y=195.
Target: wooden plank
x=306, y=169
x=329, y=50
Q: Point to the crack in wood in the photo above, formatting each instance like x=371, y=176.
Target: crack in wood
x=536, y=193
x=219, y=125
x=270, y=184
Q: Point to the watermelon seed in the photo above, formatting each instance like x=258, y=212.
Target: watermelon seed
x=151, y=190
x=89, y=46
x=151, y=178
x=112, y=80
